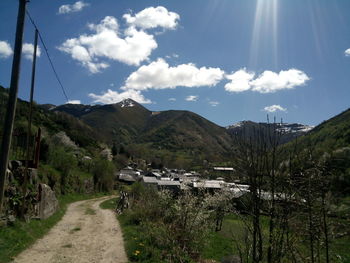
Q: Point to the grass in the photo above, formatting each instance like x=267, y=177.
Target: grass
x=219, y=245
x=75, y=229
x=14, y=239
x=109, y=204
x=137, y=247
x=68, y=246
x=224, y=243
x=90, y=211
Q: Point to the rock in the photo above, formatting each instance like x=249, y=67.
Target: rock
x=48, y=203
x=33, y=175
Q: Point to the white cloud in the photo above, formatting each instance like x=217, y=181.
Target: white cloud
x=267, y=82
x=191, y=98
x=214, y=103
x=347, y=52
x=28, y=50
x=76, y=7
x=274, y=108
x=5, y=49
x=171, y=99
x=73, y=102
x=153, y=17
x=159, y=75
x=240, y=81
x=110, y=97
x=106, y=43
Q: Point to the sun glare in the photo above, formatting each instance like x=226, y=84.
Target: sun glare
x=265, y=30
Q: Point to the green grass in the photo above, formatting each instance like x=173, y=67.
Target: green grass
x=109, y=204
x=224, y=243
x=14, y=239
x=137, y=245
x=75, y=229
x=68, y=246
x=90, y=211
x=221, y=244
x=218, y=246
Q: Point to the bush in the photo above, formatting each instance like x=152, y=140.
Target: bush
x=170, y=228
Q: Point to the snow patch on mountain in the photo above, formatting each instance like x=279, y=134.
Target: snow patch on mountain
x=126, y=103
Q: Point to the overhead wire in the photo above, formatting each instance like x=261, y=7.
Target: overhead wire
x=48, y=55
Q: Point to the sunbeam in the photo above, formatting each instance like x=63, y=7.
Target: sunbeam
x=265, y=31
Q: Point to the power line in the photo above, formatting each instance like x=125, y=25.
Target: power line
x=48, y=55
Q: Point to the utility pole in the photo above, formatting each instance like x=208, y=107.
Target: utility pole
x=12, y=101
x=26, y=172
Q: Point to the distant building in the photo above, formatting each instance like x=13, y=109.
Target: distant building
x=129, y=175
x=224, y=169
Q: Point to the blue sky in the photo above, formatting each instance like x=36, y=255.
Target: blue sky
x=227, y=60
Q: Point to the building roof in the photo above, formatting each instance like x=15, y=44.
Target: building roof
x=209, y=184
x=169, y=183
x=127, y=177
x=223, y=169
x=150, y=180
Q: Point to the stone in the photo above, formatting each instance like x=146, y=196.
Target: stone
x=33, y=175
x=48, y=203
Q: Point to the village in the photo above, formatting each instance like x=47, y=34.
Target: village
x=177, y=180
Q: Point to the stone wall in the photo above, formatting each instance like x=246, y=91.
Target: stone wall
x=40, y=200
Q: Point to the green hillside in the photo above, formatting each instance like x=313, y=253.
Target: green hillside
x=171, y=131
x=329, y=144
x=186, y=130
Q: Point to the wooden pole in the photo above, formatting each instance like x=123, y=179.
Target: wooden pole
x=26, y=172
x=12, y=101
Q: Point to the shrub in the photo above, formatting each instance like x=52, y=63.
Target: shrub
x=172, y=228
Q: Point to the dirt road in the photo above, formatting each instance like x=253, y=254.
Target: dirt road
x=86, y=233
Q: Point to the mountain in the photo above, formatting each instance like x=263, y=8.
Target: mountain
x=51, y=122
x=113, y=122
x=183, y=129
x=287, y=132
x=331, y=135
x=129, y=122
x=328, y=144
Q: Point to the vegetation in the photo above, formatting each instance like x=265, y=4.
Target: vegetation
x=297, y=209
x=163, y=227
x=69, y=159
x=109, y=204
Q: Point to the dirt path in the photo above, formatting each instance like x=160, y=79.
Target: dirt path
x=86, y=233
